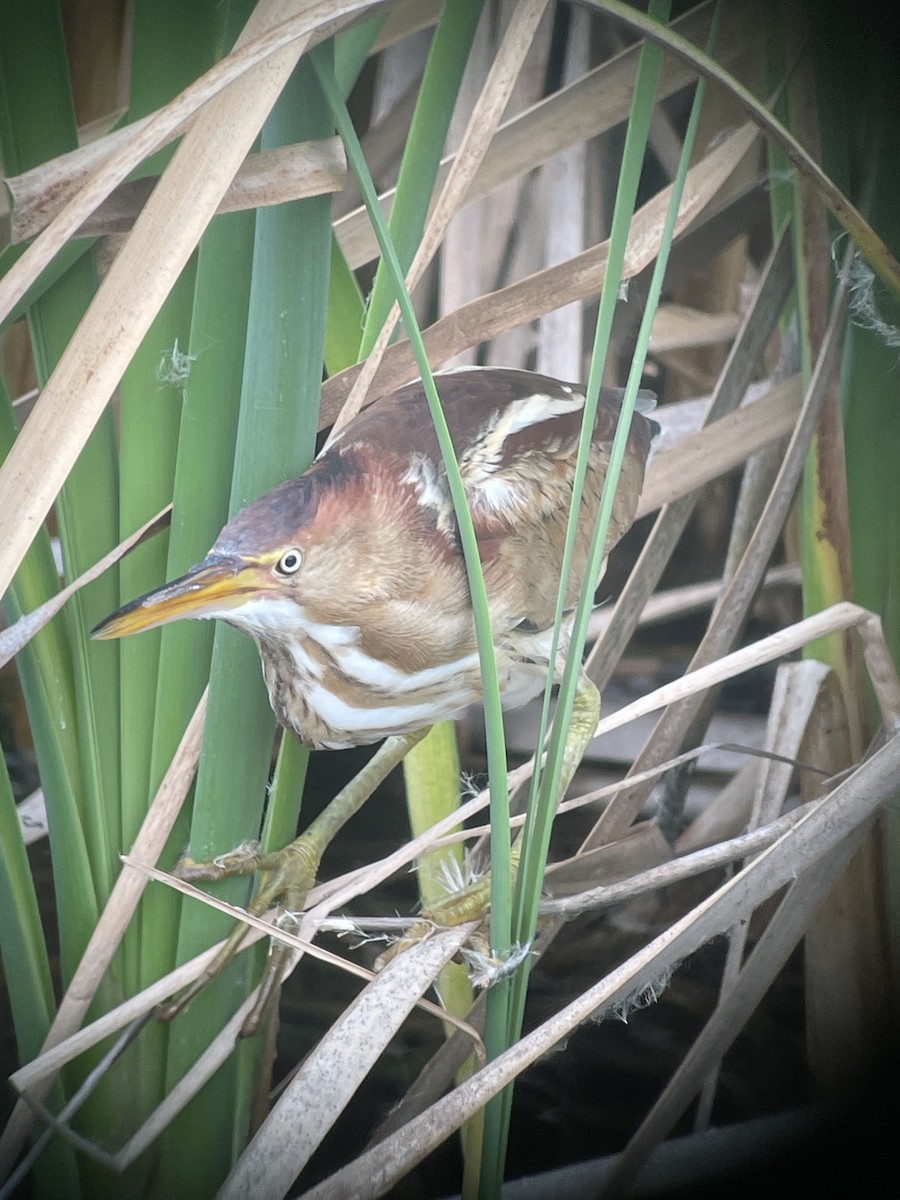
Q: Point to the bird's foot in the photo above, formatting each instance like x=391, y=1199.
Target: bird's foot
x=468, y=903
x=240, y=861
x=485, y=967
x=282, y=870
x=287, y=877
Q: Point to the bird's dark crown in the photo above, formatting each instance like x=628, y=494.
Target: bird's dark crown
x=274, y=518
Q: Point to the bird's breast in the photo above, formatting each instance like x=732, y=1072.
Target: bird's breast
x=332, y=694
x=332, y=690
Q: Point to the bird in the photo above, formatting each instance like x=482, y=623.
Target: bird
x=352, y=582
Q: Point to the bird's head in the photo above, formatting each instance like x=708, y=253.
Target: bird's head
x=253, y=577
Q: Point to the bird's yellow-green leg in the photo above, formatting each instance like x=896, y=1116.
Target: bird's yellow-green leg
x=471, y=902
x=287, y=877
x=582, y=727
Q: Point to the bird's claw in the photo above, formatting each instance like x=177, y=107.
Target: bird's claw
x=240, y=861
x=469, y=903
x=484, y=966
x=287, y=877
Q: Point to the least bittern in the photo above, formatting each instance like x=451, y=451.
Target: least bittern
x=352, y=582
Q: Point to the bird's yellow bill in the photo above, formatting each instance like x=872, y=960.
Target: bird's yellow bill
x=207, y=590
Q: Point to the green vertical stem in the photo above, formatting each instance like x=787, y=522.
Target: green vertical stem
x=150, y=404
x=855, y=94
x=431, y=768
x=46, y=674
x=210, y=402
x=26, y=970
x=545, y=785
x=172, y=44
x=824, y=527
x=72, y=692
x=275, y=440
x=500, y=845
x=36, y=123
x=443, y=74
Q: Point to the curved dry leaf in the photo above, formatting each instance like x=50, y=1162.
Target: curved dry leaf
x=267, y=177
x=862, y=233
x=334, y=1070
x=717, y=448
x=16, y=637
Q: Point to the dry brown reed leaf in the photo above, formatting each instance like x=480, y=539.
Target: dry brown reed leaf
x=331, y=1074
x=682, y=867
x=795, y=698
x=265, y=925
x=674, y=724
x=385, y=1012
x=740, y=368
x=127, y=890
x=480, y=129
x=677, y=327
x=200, y=1072
x=769, y=955
x=31, y=1077
x=265, y=178
x=37, y=1077
x=726, y=814
x=271, y=29
x=785, y=641
x=40, y=193
x=592, y=105
x=720, y=447
x=546, y=290
x=806, y=687
x=16, y=637
x=37, y=195
x=330, y=896
x=879, y=665
x=870, y=244
x=693, y=597
x=327, y=897
x=776, y=645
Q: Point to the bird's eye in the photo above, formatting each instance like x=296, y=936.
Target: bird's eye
x=289, y=563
